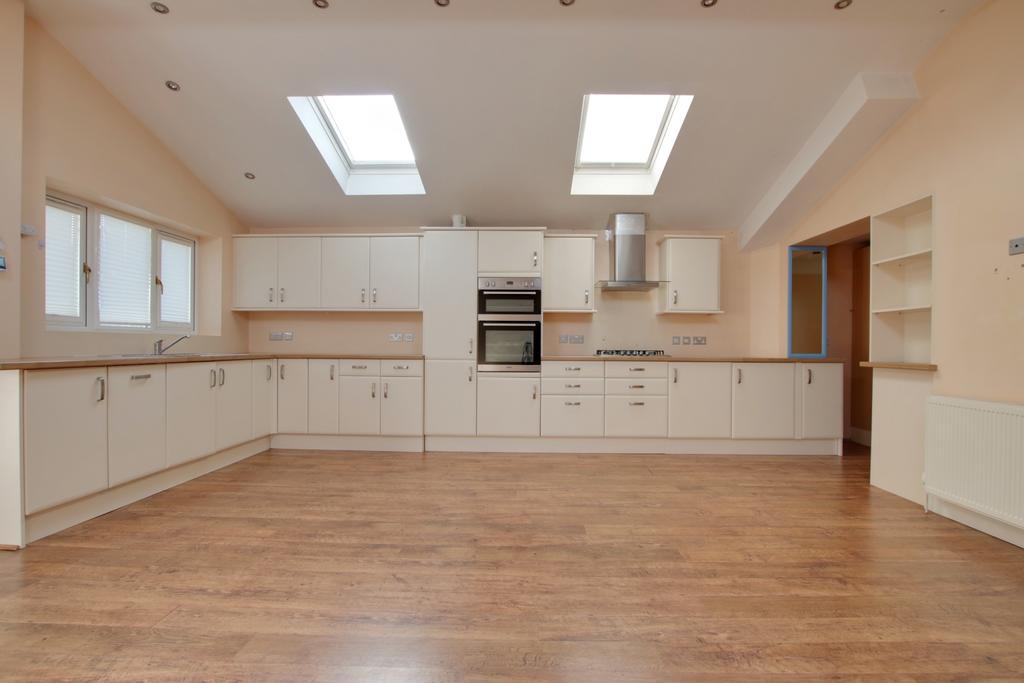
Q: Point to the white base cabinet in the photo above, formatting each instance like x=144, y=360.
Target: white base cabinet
x=763, y=401
x=508, y=406
x=136, y=422
x=821, y=400
x=700, y=401
x=401, y=406
x=324, y=397
x=360, y=405
x=264, y=398
x=567, y=415
x=636, y=416
x=234, y=403
x=292, y=396
x=191, y=411
x=65, y=435
x=450, y=397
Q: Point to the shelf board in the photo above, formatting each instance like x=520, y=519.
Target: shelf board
x=903, y=257
x=902, y=309
x=893, y=365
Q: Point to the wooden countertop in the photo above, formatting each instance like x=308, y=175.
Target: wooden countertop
x=680, y=359
x=149, y=359
x=920, y=367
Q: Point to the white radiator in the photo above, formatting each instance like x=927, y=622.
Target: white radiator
x=974, y=456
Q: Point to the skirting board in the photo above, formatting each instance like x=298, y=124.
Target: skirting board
x=56, y=519
x=334, y=442
x=975, y=520
x=497, y=444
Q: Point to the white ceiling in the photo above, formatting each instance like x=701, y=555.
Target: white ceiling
x=491, y=92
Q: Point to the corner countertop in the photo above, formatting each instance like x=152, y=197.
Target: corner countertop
x=681, y=359
x=168, y=359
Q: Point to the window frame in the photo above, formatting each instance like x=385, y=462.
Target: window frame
x=338, y=138
x=90, y=321
x=641, y=167
x=159, y=238
x=67, y=321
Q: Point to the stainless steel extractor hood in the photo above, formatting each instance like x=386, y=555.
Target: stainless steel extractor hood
x=627, y=236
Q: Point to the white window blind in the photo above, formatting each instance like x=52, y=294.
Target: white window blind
x=176, y=278
x=65, y=225
x=125, y=272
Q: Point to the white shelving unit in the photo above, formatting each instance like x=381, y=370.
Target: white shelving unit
x=901, y=284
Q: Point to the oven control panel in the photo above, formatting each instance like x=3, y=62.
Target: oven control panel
x=509, y=283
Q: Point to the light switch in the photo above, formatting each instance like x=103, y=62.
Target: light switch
x=288, y=336
x=395, y=337
x=700, y=341
x=410, y=337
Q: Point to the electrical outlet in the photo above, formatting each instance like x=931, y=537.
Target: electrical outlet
x=576, y=339
x=1017, y=246
x=277, y=336
x=687, y=341
x=288, y=336
x=700, y=341
x=563, y=339
x=410, y=337
x=676, y=341
x=395, y=337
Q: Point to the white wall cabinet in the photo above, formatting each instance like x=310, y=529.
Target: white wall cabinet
x=292, y=396
x=137, y=420
x=821, y=400
x=234, y=403
x=508, y=406
x=255, y=272
x=264, y=398
x=401, y=406
x=511, y=252
x=692, y=268
x=65, y=435
x=324, y=397
x=345, y=281
x=569, y=273
x=449, y=296
x=298, y=272
x=700, y=401
x=191, y=411
x=395, y=273
x=360, y=405
x=449, y=398
x=763, y=401
x=277, y=272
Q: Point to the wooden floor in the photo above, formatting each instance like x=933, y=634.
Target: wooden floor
x=370, y=567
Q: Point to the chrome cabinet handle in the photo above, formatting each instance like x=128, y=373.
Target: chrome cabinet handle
x=739, y=375
x=534, y=392
x=573, y=386
x=332, y=372
x=675, y=375
x=373, y=390
x=270, y=297
x=586, y=296
x=270, y=373
x=637, y=386
x=637, y=403
x=535, y=259
x=573, y=369
x=362, y=295
x=282, y=295
x=385, y=389
x=139, y=377
x=399, y=367
x=675, y=296
x=471, y=346
x=638, y=369
x=222, y=376
x=810, y=376
x=572, y=404
x=213, y=378
x=470, y=374
x=374, y=295
x=103, y=389
x=359, y=367
x=281, y=371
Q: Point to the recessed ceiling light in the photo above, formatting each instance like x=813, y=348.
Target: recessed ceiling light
x=172, y=85
x=566, y=3
x=322, y=4
x=708, y=3
x=160, y=8
x=441, y=3
x=843, y=4
x=250, y=175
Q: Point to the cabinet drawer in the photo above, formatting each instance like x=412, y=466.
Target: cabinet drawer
x=572, y=387
x=563, y=368
x=572, y=416
x=645, y=416
x=639, y=386
x=401, y=368
x=360, y=368
x=625, y=369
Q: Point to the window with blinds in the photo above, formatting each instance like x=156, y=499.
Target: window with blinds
x=175, y=283
x=125, y=273
x=64, y=260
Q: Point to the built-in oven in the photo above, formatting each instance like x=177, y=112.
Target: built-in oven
x=509, y=323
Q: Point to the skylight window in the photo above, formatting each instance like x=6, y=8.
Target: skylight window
x=363, y=141
x=625, y=142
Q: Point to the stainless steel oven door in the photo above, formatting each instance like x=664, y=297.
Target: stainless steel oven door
x=502, y=302
x=509, y=343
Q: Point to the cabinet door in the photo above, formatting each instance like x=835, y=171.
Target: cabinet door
x=234, y=403
x=395, y=272
x=292, y=396
x=401, y=407
x=324, y=397
x=572, y=416
x=636, y=416
x=345, y=281
x=298, y=272
x=821, y=400
x=65, y=435
x=255, y=272
x=264, y=398
x=136, y=419
x=694, y=266
x=449, y=295
x=191, y=411
x=449, y=398
x=508, y=406
x=511, y=251
x=700, y=401
x=763, y=401
x=360, y=405
x=568, y=274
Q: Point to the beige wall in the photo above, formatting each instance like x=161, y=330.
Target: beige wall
x=964, y=144
x=860, y=381
x=12, y=18
x=79, y=139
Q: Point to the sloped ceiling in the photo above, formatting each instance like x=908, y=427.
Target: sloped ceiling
x=491, y=92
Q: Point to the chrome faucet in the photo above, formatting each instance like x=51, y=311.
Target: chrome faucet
x=158, y=346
